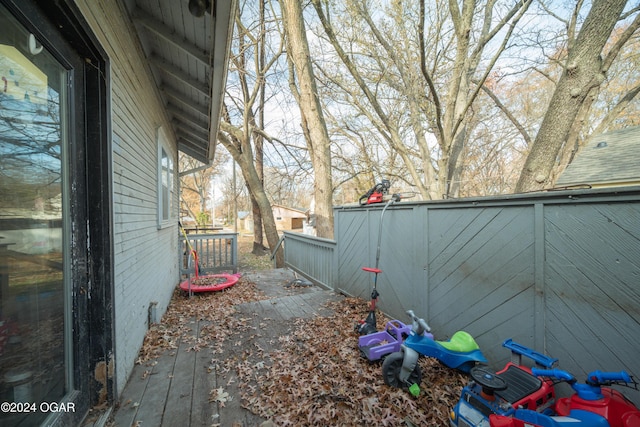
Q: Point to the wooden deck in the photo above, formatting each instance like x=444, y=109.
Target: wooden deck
x=176, y=390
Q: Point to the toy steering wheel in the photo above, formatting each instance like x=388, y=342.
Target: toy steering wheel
x=487, y=379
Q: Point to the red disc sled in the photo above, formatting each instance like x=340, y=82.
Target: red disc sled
x=216, y=282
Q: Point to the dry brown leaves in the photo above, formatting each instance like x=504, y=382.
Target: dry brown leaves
x=314, y=377
x=217, y=308
x=208, y=280
x=319, y=378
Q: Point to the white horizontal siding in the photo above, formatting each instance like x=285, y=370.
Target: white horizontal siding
x=145, y=258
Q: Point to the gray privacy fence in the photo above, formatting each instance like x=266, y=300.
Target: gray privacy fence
x=557, y=271
x=216, y=252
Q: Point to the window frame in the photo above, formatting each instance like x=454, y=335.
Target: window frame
x=166, y=174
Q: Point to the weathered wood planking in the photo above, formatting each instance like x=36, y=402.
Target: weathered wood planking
x=592, y=276
x=204, y=380
x=180, y=393
x=354, y=254
x=175, y=388
x=314, y=257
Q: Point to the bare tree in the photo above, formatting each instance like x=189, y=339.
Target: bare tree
x=442, y=96
x=258, y=140
x=234, y=196
x=242, y=126
x=195, y=184
x=585, y=70
x=313, y=122
x=409, y=86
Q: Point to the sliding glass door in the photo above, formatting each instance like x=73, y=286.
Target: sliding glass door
x=34, y=285
x=56, y=273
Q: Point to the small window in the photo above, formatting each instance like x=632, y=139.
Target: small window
x=165, y=180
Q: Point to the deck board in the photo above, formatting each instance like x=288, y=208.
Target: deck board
x=177, y=408
x=175, y=388
x=135, y=389
x=151, y=407
x=204, y=380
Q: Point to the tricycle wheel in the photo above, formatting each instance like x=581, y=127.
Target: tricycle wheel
x=391, y=368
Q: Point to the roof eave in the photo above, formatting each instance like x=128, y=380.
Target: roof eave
x=225, y=15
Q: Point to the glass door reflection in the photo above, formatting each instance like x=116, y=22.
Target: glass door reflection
x=33, y=95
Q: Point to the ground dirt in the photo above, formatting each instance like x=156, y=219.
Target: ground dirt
x=247, y=261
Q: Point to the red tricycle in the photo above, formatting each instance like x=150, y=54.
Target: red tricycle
x=519, y=396
x=591, y=405
x=503, y=392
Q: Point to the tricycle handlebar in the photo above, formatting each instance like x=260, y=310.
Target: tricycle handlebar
x=599, y=377
x=419, y=326
x=554, y=373
x=595, y=378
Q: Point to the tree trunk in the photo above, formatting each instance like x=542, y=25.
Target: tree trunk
x=257, y=191
x=318, y=142
x=258, y=241
x=583, y=72
x=243, y=154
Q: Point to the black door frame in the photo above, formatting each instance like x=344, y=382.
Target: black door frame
x=60, y=27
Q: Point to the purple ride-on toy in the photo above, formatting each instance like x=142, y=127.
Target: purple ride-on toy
x=377, y=345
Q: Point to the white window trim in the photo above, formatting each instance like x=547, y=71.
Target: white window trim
x=165, y=175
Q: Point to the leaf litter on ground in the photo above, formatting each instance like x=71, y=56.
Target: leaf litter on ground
x=314, y=375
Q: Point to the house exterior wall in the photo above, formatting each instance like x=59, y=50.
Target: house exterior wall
x=555, y=271
x=283, y=223
x=288, y=219
x=145, y=261
x=289, y=224
x=297, y=223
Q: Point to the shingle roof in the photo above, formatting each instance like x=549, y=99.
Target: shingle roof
x=609, y=158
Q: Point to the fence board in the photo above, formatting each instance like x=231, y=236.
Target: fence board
x=556, y=271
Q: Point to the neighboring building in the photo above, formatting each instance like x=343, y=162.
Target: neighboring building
x=286, y=218
x=245, y=221
x=289, y=218
x=96, y=100
x=609, y=160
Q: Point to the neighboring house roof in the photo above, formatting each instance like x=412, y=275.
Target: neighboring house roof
x=294, y=212
x=609, y=159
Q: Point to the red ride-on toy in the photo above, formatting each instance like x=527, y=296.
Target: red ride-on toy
x=591, y=405
x=504, y=391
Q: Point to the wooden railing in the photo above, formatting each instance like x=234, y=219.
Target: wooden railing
x=216, y=253
x=311, y=256
x=202, y=229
